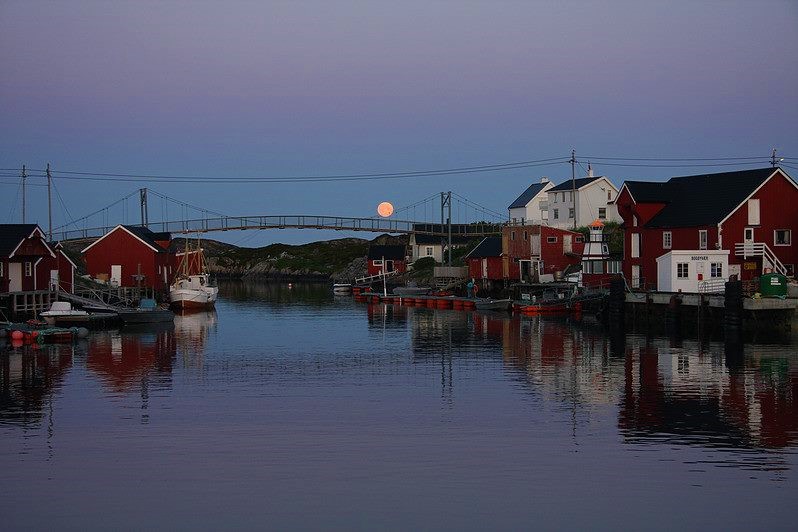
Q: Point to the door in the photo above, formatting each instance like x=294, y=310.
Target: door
x=635, y=276
x=54, y=283
x=14, y=276
x=484, y=268
x=536, y=245
x=566, y=243
x=116, y=274
x=388, y=266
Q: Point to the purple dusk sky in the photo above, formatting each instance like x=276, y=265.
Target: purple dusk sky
x=297, y=88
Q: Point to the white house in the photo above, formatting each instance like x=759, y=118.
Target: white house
x=595, y=200
x=692, y=270
x=422, y=246
x=531, y=207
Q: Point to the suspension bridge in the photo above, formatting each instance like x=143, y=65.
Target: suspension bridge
x=469, y=220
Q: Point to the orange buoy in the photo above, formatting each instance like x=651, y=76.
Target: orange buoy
x=17, y=335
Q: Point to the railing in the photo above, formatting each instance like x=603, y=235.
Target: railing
x=371, y=278
x=712, y=286
x=337, y=223
x=760, y=249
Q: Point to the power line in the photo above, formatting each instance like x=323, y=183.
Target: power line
x=674, y=158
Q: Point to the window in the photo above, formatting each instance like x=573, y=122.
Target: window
x=682, y=270
x=753, y=212
x=602, y=213
x=634, y=221
x=716, y=270
x=790, y=269
x=782, y=237
x=377, y=262
x=515, y=221
x=609, y=195
x=586, y=267
x=598, y=266
x=551, y=239
x=512, y=235
x=748, y=234
x=428, y=251
x=28, y=269
x=571, y=212
x=579, y=239
x=556, y=214
x=635, y=245
x=614, y=266
x=525, y=236
x=702, y=239
x=667, y=240
x=563, y=196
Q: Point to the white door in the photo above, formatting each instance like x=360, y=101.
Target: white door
x=566, y=243
x=116, y=274
x=535, y=245
x=54, y=283
x=15, y=276
x=484, y=268
x=635, y=275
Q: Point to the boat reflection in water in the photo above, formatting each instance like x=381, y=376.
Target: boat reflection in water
x=192, y=330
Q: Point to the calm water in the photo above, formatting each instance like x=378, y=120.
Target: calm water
x=295, y=409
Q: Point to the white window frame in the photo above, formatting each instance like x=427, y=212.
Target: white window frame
x=602, y=213
x=551, y=239
x=429, y=251
x=571, y=212
x=579, y=239
x=715, y=270
x=667, y=240
x=637, y=241
x=679, y=267
x=377, y=262
x=556, y=214
x=788, y=232
x=754, y=213
x=28, y=268
x=703, y=239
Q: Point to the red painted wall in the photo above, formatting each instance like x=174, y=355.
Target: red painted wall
x=60, y=263
x=553, y=254
x=495, y=272
x=398, y=265
x=778, y=209
x=31, y=250
x=120, y=247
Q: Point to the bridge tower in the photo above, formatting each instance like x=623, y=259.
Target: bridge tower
x=446, y=201
x=144, y=213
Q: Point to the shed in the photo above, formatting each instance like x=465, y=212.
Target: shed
x=694, y=271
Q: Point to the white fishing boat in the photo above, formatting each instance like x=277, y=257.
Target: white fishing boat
x=62, y=311
x=192, y=287
x=342, y=288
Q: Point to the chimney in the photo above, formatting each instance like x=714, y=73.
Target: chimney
x=589, y=170
x=544, y=179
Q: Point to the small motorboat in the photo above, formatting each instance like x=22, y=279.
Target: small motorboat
x=148, y=311
x=493, y=304
x=411, y=291
x=62, y=313
x=342, y=288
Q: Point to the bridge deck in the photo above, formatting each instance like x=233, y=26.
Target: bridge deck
x=336, y=223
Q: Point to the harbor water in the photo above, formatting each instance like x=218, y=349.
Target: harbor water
x=292, y=408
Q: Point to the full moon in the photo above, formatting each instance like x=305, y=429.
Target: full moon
x=385, y=209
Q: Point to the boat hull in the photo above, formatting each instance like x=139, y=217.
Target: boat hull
x=146, y=316
x=192, y=299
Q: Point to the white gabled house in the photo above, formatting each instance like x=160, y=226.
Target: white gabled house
x=531, y=207
x=595, y=200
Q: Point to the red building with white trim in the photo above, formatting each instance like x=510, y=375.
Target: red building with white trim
x=750, y=213
x=28, y=262
x=130, y=256
x=485, y=262
x=540, y=250
x=387, y=259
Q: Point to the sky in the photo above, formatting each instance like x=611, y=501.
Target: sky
x=287, y=89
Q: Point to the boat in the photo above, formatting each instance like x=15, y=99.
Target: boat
x=62, y=313
x=545, y=299
x=148, y=311
x=405, y=291
x=192, y=287
x=342, y=288
x=493, y=304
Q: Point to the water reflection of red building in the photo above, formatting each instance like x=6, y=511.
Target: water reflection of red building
x=27, y=377
x=121, y=359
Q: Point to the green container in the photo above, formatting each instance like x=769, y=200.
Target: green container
x=773, y=285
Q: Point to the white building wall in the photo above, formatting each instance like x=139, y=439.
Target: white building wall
x=534, y=212
x=699, y=268
x=589, y=199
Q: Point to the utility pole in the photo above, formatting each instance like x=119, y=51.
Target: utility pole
x=24, y=177
x=49, y=204
x=143, y=200
x=573, y=183
x=773, y=160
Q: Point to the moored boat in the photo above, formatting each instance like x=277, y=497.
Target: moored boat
x=148, y=311
x=493, y=304
x=62, y=313
x=342, y=288
x=192, y=287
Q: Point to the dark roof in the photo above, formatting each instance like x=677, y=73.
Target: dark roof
x=567, y=185
x=699, y=200
x=527, y=195
x=437, y=240
x=148, y=236
x=456, y=228
x=491, y=246
x=647, y=192
x=388, y=252
x=11, y=235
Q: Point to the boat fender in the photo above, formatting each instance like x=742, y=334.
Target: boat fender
x=17, y=335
